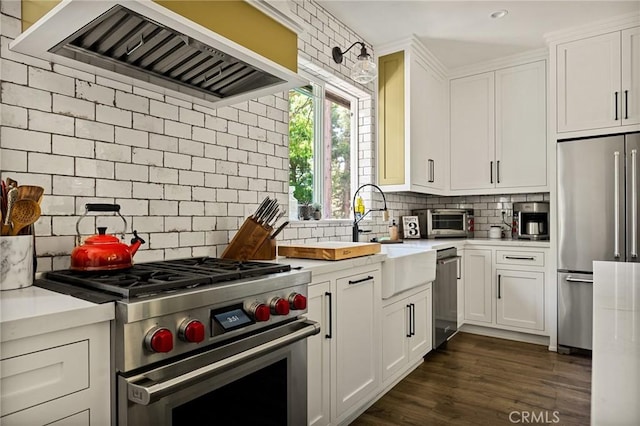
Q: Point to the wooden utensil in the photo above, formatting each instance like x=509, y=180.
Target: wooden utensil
x=12, y=196
x=24, y=213
x=30, y=192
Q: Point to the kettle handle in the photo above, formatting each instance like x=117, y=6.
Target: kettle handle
x=115, y=208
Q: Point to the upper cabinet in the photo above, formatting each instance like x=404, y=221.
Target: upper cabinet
x=412, y=120
x=498, y=130
x=597, y=77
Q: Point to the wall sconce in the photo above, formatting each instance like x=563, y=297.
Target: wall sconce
x=364, y=70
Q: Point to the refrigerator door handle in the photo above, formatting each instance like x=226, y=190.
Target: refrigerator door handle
x=616, y=205
x=578, y=280
x=634, y=204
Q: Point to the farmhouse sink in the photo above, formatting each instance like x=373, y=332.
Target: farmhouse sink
x=406, y=268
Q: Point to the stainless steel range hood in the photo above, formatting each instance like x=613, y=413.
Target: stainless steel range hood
x=147, y=45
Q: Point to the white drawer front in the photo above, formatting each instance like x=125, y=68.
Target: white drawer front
x=37, y=377
x=524, y=258
x=81, y=418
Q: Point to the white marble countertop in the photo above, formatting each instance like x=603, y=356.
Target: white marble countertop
x=319, y=267
x=33, y=310
x=438, y=243
x=615, y=379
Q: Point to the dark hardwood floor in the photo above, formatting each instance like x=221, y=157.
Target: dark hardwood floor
x=479, y=380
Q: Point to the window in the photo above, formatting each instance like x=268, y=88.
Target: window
x=323, y=148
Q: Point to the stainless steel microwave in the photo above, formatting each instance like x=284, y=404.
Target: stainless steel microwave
x=445, y=223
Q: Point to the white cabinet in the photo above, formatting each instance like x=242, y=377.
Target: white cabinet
x=406, y=333
x=61, y=377
x=412, y=119
x=498, y=129
x=520, y=299
x=319, y=355
x=598, y=83
x=344, y=359
x=477, y=286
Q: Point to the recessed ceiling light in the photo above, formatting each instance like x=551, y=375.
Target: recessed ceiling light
x=499, y=14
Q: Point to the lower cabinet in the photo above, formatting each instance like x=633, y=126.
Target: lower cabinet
x=477, y=286
x=344, y=359
x=59, y=378
x=520, y=301
x=406, y=332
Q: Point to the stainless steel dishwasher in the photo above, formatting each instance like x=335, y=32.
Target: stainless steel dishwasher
x=445, y=296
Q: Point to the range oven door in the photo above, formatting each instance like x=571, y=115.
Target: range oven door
x=259, y=379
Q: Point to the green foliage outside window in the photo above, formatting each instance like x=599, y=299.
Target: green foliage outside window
x=301, y=146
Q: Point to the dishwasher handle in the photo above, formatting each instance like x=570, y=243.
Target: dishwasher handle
x=448, y=260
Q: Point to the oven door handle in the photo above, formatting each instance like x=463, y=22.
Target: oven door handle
x=146, y=394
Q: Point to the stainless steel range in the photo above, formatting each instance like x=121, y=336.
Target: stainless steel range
x=203, y=335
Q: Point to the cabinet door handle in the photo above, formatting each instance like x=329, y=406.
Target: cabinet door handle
x=413, y=316
x=431, y=170
x=329, y=335
x=616, y=106
x=498, y=171
x=520, y=257
x=361, y=280
x=491, y=170
x=616, y=205
x=499, y=295
x=459, y=260
x=570, y=279
x=626, y=104
x=634, y=204
x=409, y=319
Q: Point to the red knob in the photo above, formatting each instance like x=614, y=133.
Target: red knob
x=261, y=312
x=279, y=306
x=192, y=331
x=159, y=340
x=297, y=301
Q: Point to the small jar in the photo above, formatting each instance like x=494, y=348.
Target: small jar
x=495, y=232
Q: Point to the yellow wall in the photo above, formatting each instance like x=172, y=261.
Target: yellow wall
x=391, y=119
x=32, y=10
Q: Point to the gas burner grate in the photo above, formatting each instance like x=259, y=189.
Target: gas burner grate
x=219, y=268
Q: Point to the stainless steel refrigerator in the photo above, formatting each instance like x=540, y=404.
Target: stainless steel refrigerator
x=598, y=188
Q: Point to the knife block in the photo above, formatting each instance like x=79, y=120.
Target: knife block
x=267, y=251
x=246, y=242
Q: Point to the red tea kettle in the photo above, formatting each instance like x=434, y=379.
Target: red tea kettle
x=103, y=252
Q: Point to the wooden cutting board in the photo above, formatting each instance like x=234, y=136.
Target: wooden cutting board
x=331, y=250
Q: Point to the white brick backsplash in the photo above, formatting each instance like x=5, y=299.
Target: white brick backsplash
x=191, y=117
x=73, y=185
x=51, y=81
x=91, y=130
x=94, y=168
x=204, y=135
x=258, y=185
x=148, y=156
x=27, y=97
x=247, y=197
x=148, y=93
x=247, y=170
x=50, y=164
x=266, y=148
x=248, y=145
x=191, y=208
x=70, y=72
x=236, y=209
x=177, y=161
x=177, y=253
x=216, y=152
x=163, y=175
x=146, y=255
x=257, y=159
x=113, y=152
x=94, y=92
x=203, y=194
x=203, y=164
x=43, y=226
x=226, y=224
x=124, y=87
x=273, y=186
x=111, y=115
x=227, y=113
x=216, y=237
x=257, y=108
x=10, y=26
x=248, y=118
x=225, y=139
x=180, y=130
x=189, y=239
x=66, y=105
x=186, y=177
x=177, y=224
x=238, y=183
x=134, y=207
x=257, y=134
x=274, y=162
x=163, y=143
x=57, y=205
x=66, y=225
x=266, y=123
x=148, y=223
x=11, y=160
x=238, y=129
x=113, y=188
x=11, y=8
x=148, y=123
x=177, y=192
x=13, y=116
x=148, y=190
x=190, y=147
x=132, y=102
x=55, y=246
x=131, y=137
x=230, y=169
x=178, y=102
x=215, y=123
x=163, y=240
x=163, y=208
x=215, y=209
x=163, y=110
x=227, y=195
x=13, y=72
x=52, y=123
x=131, y=172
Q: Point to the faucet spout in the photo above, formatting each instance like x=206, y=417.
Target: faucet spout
x=385, y=214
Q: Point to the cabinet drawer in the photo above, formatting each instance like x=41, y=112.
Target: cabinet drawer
x=34, y=378
x=524, y=258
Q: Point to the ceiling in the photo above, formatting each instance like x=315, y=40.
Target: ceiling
x=461, y=32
